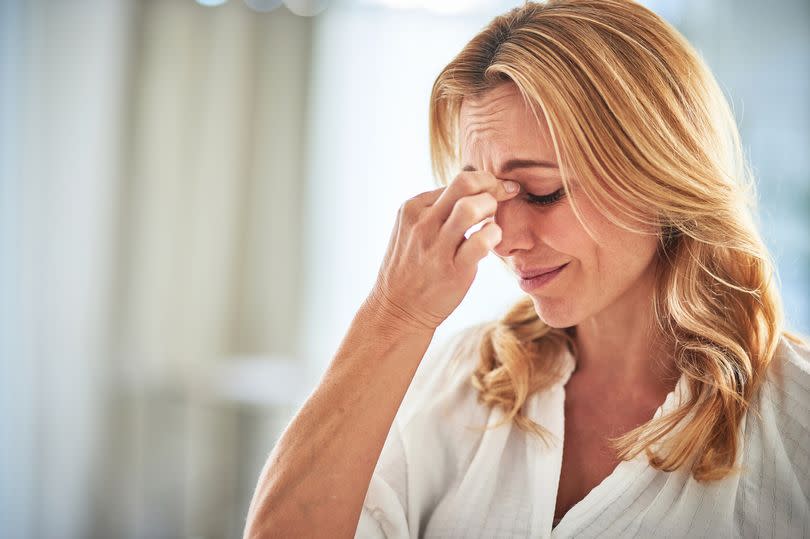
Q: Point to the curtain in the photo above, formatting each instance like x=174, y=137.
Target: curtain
x=62, y=80
x=150, y=239
x=209, y=255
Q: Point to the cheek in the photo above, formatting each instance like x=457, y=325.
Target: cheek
x=562, y=231
x=619, y=253
x=610, y=252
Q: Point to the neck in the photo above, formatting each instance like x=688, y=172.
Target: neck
x=622, y=345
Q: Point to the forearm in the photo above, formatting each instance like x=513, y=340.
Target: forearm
x=316, y=477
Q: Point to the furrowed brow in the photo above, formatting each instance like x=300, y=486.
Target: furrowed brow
x=513, y=164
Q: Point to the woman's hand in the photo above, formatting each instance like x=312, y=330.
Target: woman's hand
x=430, y=265
x=427, y=270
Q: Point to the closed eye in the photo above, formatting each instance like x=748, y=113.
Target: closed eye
x=546, y=200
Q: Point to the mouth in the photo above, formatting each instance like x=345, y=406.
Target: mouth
x=531, y=282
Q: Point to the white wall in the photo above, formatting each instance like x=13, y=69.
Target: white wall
x=368, y=152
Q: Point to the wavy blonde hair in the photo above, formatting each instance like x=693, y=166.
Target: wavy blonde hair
x=637, y=117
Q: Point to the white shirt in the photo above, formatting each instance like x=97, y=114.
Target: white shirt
x=435, y=478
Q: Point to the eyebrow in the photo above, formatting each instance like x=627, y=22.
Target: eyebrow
x=512, y=164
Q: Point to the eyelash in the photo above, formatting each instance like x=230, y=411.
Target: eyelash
x=546, y=200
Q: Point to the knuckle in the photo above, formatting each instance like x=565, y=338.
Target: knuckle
x=410, y=209
x=422, y=234
x=465, y=209
x=419, y=231
x=468, y=182
x=425, y=196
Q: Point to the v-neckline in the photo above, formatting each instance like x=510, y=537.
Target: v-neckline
x=599, y=498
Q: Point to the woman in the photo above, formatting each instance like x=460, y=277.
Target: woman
x=646, y=384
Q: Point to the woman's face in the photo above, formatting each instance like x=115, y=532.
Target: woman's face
x=602, y=275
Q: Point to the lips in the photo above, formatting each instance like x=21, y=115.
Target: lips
x=531, y=273
x=532, y=283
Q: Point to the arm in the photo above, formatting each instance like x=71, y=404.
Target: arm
x=317, y=476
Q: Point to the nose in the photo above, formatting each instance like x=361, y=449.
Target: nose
x=516, y=228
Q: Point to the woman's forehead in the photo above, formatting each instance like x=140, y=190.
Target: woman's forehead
x=499, y=125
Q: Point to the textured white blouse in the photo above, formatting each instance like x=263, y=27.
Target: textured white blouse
x=437, y=478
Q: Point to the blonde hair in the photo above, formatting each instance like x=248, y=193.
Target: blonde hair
x=637, y=117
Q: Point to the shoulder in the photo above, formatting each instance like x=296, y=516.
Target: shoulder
x=775, y=485
x=789, y=372
x=773, y=489
x=785, y=398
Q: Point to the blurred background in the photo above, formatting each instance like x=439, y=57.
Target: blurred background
x=195, y=199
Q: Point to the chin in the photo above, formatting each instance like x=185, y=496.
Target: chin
x=555, y=313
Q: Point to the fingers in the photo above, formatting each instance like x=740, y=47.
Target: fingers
x=478, y=245
x=421, y=201
x=412, y=210
x=505, y=190
x=467, y=184
x=466, y=213
x=428, y=198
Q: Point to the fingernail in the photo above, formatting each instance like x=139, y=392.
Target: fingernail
x=510, y=186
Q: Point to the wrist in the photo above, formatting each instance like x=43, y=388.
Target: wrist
x=388, y=317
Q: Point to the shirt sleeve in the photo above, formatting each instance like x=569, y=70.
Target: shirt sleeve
x=791, y=396
x=385, y=512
